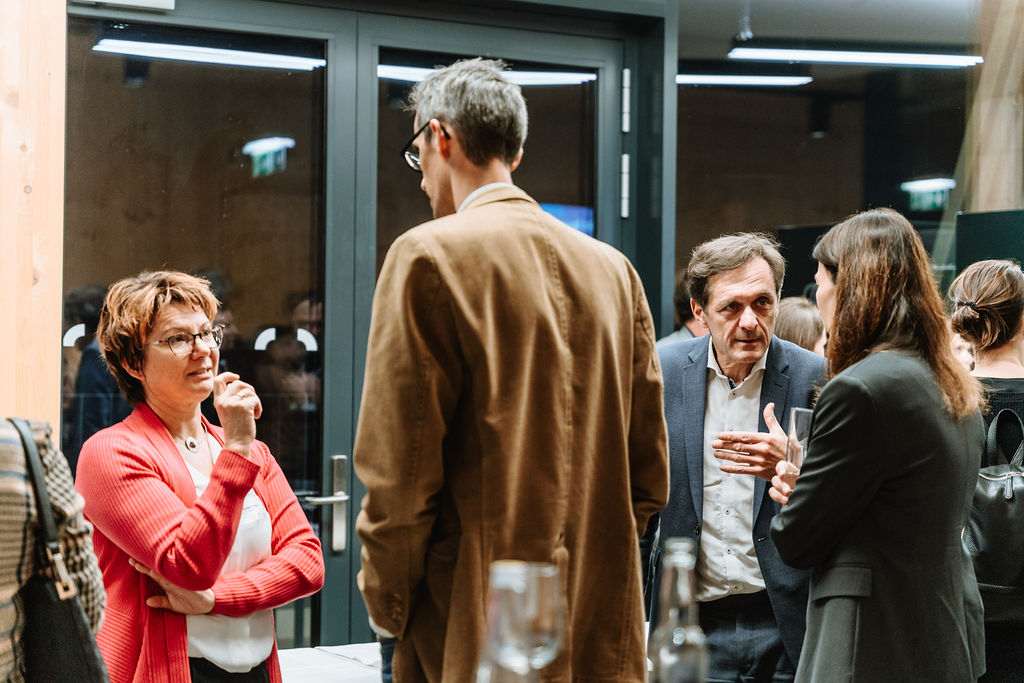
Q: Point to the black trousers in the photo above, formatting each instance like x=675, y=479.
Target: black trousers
x=205, y=671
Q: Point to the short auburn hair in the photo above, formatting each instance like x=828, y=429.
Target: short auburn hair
x=129, y=314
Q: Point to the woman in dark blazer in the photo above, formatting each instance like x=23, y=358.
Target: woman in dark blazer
x=886, y=485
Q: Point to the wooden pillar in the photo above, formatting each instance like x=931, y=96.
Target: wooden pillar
x=996, y=138
x=33, y=43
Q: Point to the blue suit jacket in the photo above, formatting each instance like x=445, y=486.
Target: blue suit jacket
x=792, y=375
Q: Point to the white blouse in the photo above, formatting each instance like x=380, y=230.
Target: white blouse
x=235, y=644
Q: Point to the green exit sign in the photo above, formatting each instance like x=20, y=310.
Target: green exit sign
x=269, y=155
x=929, y=201
x=269, y=163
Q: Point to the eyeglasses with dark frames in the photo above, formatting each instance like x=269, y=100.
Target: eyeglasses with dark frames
x=411, y=154
x=184, y=343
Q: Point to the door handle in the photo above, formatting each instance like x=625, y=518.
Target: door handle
x=327, y=500
x=338, y=502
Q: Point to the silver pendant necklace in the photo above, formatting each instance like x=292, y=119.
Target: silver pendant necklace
x=192, y=443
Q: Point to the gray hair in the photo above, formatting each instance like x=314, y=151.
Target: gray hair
x=473, y=98
x=730, y=252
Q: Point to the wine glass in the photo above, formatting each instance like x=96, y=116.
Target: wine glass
x=525, y=621
x=799, y=434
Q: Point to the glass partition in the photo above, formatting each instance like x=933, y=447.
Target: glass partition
x=193, y=150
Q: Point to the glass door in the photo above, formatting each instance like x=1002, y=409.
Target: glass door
x=571, y=163
x=205, y=151
x=285, y=186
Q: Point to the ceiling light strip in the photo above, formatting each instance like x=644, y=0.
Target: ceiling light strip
x=921, y=59
x=208, y=55
x=414, y=74
x=741, y=80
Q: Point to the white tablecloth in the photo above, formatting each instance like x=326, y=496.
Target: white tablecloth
x=359, y=663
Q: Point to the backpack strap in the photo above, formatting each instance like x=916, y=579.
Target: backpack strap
x=1004, y=443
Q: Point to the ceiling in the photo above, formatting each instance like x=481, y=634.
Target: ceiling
x=707, y=27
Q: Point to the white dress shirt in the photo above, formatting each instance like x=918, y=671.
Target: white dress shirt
x=235, y=644
x=726, y=561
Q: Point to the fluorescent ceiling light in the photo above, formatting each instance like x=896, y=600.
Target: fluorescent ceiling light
x=737, y=79
x=209, y=55
x=824, y=56
x=414, y=74
x=267, y=145
x=928, y=185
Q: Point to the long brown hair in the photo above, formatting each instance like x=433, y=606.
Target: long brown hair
x=887, y=298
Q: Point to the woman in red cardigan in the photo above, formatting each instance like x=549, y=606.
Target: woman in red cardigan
x=197, y=532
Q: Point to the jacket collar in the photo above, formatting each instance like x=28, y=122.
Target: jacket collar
x=496, y=192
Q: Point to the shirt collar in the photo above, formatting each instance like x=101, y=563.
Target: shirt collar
x=713, y=365
x=479, y=191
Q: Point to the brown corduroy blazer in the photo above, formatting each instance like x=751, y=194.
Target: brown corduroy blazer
x=512, y=409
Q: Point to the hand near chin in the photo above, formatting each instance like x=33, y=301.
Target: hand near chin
x=238, y=408
x=175, y=598
x=755, y=453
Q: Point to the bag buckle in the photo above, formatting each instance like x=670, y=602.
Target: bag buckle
x=62, y=579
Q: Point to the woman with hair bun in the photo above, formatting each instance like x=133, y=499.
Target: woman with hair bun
x=988, y=308
x=988, y=311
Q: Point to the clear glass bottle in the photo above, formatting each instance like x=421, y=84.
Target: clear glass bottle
x=678, y=649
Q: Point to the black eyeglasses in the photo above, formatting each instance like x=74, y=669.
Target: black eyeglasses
x=411, y=154
x=184, y=343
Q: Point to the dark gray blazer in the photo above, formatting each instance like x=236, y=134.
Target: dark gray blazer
x=792, y=375
x=877, y=513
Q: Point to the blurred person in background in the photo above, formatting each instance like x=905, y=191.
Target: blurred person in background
x=198, y=533
x=686, y=326
x=888, y=477
x=963, y=350
x=798, y=321
x=95, y=401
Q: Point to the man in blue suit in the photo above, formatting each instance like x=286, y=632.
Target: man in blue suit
x=725, y=398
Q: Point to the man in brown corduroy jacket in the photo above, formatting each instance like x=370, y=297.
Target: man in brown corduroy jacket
x=512, y=405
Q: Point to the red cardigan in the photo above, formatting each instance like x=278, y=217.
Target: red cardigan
x=142, y=503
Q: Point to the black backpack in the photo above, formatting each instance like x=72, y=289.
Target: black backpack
x=994, y=535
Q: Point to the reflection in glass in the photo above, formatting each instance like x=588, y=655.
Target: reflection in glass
x=215, y=169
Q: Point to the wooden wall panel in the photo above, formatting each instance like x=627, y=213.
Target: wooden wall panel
x=32, y=78
x=995, y=179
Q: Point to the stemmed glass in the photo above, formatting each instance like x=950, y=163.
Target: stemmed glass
x=525, y=621
x=799, y=434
